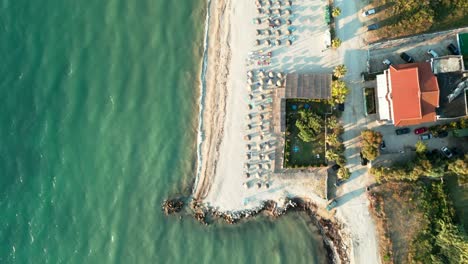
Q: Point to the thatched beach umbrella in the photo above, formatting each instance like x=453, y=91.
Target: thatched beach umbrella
x=248, y=146
x=288, y=11
x=248, y=156
x=289, y=22
x=268, y=42
x=277, y=22
x=259, y=32
x=250, y=96
x=268, y=11
x=268, y=32
x=247, y=165
x=260, y=166
x=289, y=42
x=250, y=73
x=270, y=81
x=262, y=96
x=267, y=185
x=268, y=166
x=250, y=108
x=247, y=175
x=245, y=185
x=247, y=137
x=250, y=81
x=278, y=11
x=289, y=3
x=278, y=32
x=262, y=116
x=259, y=185
x=249, y=127
x=269, y=2
x=288, y=32
x=257, y=42
x=249, y=116
x=278, y=42
x=258, y=21
x=259, y=10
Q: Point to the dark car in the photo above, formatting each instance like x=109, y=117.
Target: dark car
x=446, y=151
x=364, y=161
x=442, y=134
x=373, y=27
x=402, y=131
x=382, y=145
x=426, y=136
x=453, y=49
x=341, y=107
x=404, y=56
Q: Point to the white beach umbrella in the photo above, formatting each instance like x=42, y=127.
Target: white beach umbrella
x=260, y=81
x=278, y=11
x=250, y=74
x=278, y=42
x=279, y=75
x=270, y=81
x=278, y=32
x=278, y=83
x=289, y=42
x=257, y=42
x=259, y=185
x=268, y=42
x=249, y=81
x=271, y=74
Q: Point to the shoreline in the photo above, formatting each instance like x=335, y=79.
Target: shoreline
x=216, y=85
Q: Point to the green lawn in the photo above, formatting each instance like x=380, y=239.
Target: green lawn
x=297, y=152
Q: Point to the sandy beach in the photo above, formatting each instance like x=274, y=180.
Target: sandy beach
x=224, y=183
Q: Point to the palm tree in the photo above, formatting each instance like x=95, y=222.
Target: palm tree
x=339, y=91
x=336, y=43
x=340, y=71
x=336, y=12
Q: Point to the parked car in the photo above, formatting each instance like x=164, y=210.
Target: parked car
x=432, y=53
x=387, y=62
x=364, y=161
x=446, y=151
x=368, y=12
x=453, y=49
x=426, y=136
x=404, y=56
x=420, y=130
x=442, y=134
x=382, y=145
x=373, y=27
x=402, y=131
x=341, y=107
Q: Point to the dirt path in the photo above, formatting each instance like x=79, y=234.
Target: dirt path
x=351, y=196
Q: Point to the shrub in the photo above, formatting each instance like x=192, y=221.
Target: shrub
x=370, y=144
x=340, y=71
x=336, y=12
x=339, y=91
x=336, y=43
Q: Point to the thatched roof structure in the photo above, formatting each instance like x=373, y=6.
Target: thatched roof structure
x=309, y=86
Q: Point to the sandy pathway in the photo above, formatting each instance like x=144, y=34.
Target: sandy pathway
x=352, y=199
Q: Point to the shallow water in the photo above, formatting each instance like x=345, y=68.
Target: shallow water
x=98, y=120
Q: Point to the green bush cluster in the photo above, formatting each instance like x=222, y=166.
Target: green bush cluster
x=441, y=241
x=459, y=124
x=423, y=165
x=370, y=144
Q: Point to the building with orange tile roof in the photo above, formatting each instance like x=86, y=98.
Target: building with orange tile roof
x=408, y=94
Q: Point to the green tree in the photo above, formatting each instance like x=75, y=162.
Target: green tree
x=336, y=12
x=336, y=43
x=339, y=91
x=332, y=139
x=344, y=173
x=340, y=71
x=309, y=125
x=421, y=147
x=332, y=122
x=332, y=155
x=370, y=144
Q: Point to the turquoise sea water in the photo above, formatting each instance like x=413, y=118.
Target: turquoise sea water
x=98, y=120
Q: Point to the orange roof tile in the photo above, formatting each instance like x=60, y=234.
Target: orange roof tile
x=415, y=93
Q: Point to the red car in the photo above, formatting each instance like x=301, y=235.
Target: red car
x=420, y=130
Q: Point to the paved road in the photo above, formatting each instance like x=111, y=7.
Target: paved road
x=351, y=196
